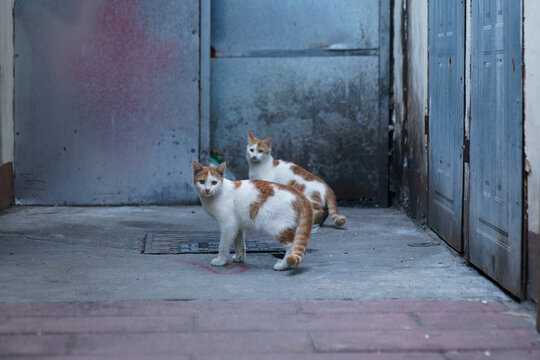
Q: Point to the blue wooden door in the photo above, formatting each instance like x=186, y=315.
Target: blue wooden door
x=446, y=119
x=496, y=141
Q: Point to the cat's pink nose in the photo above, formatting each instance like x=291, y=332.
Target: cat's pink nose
x=207, y=190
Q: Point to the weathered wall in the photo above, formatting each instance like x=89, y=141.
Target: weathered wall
x=409, y=161
x=398, y=103
x=6, y=103
x=532, y=145
x=321, y=92
x=106, y=101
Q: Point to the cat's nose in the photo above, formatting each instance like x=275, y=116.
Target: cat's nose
x=207, y=190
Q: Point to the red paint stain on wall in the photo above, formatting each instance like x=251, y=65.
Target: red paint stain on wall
x=118, y=60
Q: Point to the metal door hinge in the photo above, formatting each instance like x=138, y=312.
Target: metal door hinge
x=466, y=152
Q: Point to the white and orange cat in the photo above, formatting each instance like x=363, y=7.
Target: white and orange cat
x=264, y=167
x=278, y=210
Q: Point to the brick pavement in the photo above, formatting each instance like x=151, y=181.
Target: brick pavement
x=341, y=330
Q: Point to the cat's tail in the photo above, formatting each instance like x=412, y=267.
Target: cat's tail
x=331, y=203
x=303, y=232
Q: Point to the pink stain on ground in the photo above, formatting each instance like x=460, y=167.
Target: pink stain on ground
x=118, y=60
x=230, y=268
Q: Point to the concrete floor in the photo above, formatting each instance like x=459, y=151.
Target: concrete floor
x=92, y=254
x=73, y=281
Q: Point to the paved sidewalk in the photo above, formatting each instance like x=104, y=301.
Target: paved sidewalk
x=221, y=330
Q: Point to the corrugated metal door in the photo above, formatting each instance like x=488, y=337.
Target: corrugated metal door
x=446, y=119
x=496, y=141
x=106, y=101
x=315, y=75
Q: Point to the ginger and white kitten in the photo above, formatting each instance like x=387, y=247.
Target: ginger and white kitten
x=264, y=167
x=278, y=210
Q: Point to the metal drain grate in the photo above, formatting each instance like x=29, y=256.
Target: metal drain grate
x=201, y=242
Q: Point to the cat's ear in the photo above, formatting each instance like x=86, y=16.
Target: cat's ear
x=251, y=136
x=221, y=169
x=268, y=141
x=197, y=167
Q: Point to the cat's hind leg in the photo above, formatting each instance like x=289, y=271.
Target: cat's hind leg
x=228, y=235
x=285, y=238
x=319, y=214
x=239, y=248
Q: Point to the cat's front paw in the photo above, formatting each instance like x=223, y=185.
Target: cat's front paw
x=239, y=258
x=219, y=261
x=281, y=265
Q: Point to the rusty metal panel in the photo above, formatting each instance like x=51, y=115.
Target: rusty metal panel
x=314, y=74
x=446, y=120
x=106, y=101
x=497, y=142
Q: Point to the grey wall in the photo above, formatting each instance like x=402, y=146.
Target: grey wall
x=106, y=101
x=315, y=75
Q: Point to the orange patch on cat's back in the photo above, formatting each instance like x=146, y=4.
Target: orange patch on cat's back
x=275, y=162
x=316, y=197
x=237, y=184
x=304, y=173
x=297, y=186
x=265, y=190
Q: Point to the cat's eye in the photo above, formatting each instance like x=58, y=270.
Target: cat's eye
x=214, y=182
x=201, y=182
x=260, y=151
x=251, y=150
